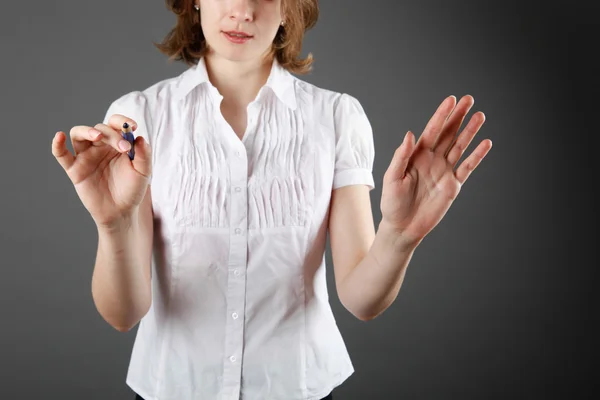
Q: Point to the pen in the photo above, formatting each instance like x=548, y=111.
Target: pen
x=127, y=134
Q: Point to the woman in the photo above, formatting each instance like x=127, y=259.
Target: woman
x=213, y=236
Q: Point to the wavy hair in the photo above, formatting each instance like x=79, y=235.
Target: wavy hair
x=186, y=41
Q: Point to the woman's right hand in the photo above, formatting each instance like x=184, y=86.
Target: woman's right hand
x=110, y=185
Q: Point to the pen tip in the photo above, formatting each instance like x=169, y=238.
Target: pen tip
x=125, y=125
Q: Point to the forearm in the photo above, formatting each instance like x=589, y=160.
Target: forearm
x=373, y=285
x=121, y=278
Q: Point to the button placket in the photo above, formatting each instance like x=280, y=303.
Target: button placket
x=236, y=288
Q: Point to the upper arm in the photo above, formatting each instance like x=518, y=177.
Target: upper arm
x=146, y=221
x=351, y=229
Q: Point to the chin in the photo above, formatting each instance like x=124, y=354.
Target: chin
x=237, y=53
x=238, y=56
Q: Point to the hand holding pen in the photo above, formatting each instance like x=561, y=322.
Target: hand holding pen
x=110, y=168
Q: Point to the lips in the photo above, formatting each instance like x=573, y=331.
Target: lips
x=237, y=34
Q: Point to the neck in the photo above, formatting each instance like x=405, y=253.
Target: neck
x=237, y=82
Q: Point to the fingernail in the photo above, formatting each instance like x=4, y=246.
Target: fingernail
x=123, y=145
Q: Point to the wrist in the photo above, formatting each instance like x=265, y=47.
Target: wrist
x=398, y=237
x=123, y=224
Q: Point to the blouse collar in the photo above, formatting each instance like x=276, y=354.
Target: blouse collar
x=280, y=81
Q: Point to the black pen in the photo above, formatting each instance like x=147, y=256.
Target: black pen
x=127, y=134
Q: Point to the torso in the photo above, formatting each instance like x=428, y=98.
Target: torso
x=242, y=233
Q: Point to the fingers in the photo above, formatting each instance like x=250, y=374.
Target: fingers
x=60, y=151
x=112, y=137
x=397, y=169
x=116, y=122
x=436, y=123
x=142, y=162
x=83, y=136
x=456, y=150
x=471, y=162
x=455, y=120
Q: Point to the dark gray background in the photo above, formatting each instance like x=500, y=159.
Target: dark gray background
x=497, y=301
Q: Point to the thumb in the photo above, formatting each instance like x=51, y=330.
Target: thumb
x=399, y=163
x=142, y=160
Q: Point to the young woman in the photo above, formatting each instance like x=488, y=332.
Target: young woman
x=213, y=236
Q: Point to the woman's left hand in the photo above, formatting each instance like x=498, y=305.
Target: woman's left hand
x=420, y=184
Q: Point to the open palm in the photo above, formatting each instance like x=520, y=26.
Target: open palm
x=420, y=184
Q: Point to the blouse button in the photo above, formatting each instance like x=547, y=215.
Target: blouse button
x=236, y=272
x=238, y=231
x=234, y=316
x=232, y=358
x=238, y=189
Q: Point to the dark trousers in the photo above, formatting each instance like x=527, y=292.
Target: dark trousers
x=328, y=397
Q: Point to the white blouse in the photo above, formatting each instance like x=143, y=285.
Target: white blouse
x=240, y=307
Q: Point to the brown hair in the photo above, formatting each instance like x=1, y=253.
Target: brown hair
x=186, y=42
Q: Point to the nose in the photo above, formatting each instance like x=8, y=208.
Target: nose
x=242, y=10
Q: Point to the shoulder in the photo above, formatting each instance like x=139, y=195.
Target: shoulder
x=149, y=97
x=144, y=104
x=335, y=110
x=334, y=103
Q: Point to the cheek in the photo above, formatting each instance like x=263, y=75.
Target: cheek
x=271, y=20
x=210, y=24
x=213, y=11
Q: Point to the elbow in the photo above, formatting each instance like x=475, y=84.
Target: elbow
x=361, y=315
x=123, y=328
x=364, y=312
x=372, y=313
x=360, y=308
x=125, y=324
x=124, y=320
x=122, y=324
x=365, y=317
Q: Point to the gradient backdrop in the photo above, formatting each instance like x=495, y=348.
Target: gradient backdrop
x=496, y=303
